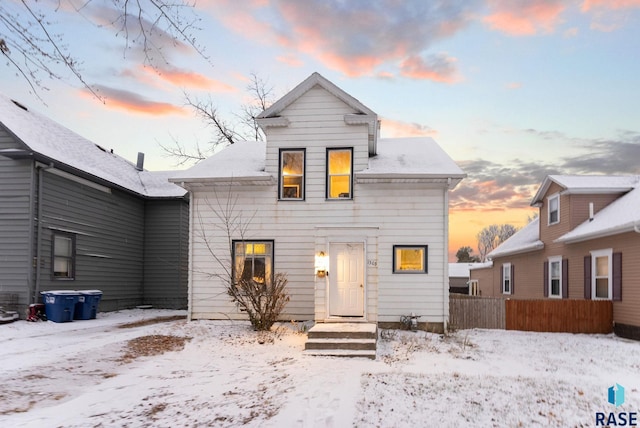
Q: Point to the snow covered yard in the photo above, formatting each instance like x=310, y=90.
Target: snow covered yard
x=220, y=373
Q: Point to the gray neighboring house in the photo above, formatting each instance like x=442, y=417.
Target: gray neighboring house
x=459, y=274
x=76, y=216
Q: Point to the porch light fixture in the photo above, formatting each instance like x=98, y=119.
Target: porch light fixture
x=322, y=264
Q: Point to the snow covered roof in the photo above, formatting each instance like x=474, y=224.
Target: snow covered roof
x=242, y=161
x=461, y=270
x=592, y=184
x=315, y=79
x=620, y=216
x=411, y=157
x=48, y=141
x=526, y=239
x=397, y=157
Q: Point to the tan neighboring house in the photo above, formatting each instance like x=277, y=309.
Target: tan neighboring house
x=585, y=244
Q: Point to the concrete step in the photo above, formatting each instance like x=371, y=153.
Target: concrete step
x=342, y=340
x=331, y=343
x=343, y=331
x=341, y=353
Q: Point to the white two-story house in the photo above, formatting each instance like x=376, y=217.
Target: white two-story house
x=358, y=223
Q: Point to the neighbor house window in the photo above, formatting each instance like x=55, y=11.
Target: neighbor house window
x=292, y=174
x=339, y=173
x=410, y=259
x=253, y=260
x=506, y=278
x=601, y=284
x=555, y=277
x=554, y=209
x=64, y=255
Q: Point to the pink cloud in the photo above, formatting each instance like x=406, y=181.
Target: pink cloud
x=134, y=103
x=439, y=68
x=291, y=60
x=513, y=85
x=186, y=78
x=524, y=17
x=609, y=4
x=354, y=38
x=394, y=128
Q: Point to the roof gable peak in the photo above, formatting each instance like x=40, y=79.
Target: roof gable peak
x=316, y=79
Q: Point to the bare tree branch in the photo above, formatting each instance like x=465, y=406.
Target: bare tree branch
x=29, y=42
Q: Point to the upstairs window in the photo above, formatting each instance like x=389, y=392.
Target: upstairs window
x=339, y=173
x=292, y=174
x=554, y=209
x=64, y=256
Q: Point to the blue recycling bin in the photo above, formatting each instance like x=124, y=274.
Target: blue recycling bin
x=59, y=305
x=87, y=305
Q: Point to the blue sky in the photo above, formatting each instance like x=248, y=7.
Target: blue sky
x=511, y=89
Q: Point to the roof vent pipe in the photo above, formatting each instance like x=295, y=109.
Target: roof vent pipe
x=140, y=163
x=590, y=211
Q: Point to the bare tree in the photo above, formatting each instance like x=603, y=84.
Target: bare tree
x=262, y=299
x=491, y=236
x=30, y=44
x=242, y=126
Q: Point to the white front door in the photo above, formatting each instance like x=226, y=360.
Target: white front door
x=346, y=279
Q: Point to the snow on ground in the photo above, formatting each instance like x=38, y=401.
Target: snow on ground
x=82, y=374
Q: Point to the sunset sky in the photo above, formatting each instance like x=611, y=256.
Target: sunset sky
x=513, y=90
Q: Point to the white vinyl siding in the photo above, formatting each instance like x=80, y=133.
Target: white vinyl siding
x=380, y=215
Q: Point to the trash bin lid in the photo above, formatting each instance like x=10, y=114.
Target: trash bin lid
x=92, y=292
x=61, y=292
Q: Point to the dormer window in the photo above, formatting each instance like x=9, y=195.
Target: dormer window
x=339, y=173
x=554, y=209
x=292, y=174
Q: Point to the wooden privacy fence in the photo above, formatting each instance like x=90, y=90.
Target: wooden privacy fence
x=476, y=312
x=569, y=316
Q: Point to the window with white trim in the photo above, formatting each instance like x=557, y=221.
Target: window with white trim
x=553, y=203
x=63, y=255
x=555, y=277
x=506, y=278
x=292, y=174
x=601, y=283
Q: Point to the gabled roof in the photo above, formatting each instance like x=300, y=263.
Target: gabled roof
x=311, y=81
x=363, y=115
x=620, y=216
x=585, y=184
x=525, y=240
x=49, y=142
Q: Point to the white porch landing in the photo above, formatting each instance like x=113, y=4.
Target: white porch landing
x=342, y=340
